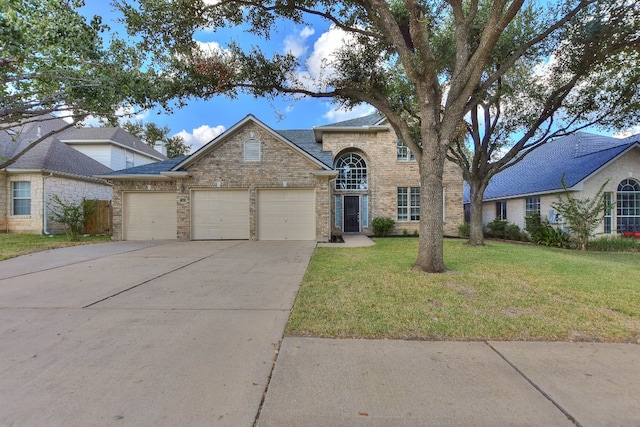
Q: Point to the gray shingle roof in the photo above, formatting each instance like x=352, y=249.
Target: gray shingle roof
x=575, y=156
x=305, y=140
x=149, y=169
x=113, y=134
x=49, y=155
x=370, y=120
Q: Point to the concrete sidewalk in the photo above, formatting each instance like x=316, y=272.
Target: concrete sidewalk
x=323, y=382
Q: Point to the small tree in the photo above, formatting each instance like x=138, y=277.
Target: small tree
x=582, y=215
x=71, y=214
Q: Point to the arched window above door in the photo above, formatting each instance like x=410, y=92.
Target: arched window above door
x=352, y=172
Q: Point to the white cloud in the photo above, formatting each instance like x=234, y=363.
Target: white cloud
x=339, y=114
x=625, y=133
x=200, y=136
x=295, y=43
x=209, y=47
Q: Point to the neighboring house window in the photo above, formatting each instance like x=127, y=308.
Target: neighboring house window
x=501, y=210
x=21, y=197
x=532, y=206
x=403, y=152
x=252, y=150
x=628, y=205
x=128, y=159
x=352, y=172
x=408, y=204
x=608, y=220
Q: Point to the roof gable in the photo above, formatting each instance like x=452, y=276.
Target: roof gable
x=301, y=148
x=112, y=135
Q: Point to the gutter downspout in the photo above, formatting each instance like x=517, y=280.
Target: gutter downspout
x=45, y=217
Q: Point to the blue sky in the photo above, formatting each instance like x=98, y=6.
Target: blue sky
x=200, y=121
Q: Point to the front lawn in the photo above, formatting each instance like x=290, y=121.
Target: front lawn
x=12, y=245
x=501, y=291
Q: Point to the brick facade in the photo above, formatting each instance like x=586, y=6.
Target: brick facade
x=221, y=165
x=386, y=174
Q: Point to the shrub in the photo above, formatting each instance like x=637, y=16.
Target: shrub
x=71, y=214
x=615, y=244
x=382, y=226
x=542, y=233
x=464, y=230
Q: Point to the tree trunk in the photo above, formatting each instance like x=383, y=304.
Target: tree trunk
x=476, y=227
x=431, y=249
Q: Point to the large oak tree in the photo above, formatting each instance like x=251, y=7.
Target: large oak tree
x=424, y=64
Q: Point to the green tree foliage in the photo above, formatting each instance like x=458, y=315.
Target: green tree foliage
x=72, y=215
x=150, y=133
x=424, y=64
x=582, y=215
x=53, y=60
x=585, y=73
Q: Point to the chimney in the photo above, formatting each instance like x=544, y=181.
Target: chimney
x=159, y=146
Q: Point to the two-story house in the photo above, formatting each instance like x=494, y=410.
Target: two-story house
x=253, y=182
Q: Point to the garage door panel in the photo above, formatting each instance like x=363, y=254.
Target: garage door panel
x=149, y=216
x=220, y=215
x=286, y=215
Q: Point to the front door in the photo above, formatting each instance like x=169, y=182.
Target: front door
x=351, y=214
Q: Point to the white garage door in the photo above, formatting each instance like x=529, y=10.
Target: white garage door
x=286, y=215
x=219, y=214
x=149, y=216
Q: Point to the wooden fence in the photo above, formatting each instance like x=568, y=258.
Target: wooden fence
x=100, y=221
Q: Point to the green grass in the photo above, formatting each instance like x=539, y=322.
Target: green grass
x=12, y=245
x=500, y=291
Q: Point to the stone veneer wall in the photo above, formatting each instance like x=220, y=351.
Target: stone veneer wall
x=223, y=167
x=386, y=174
x=67, y=189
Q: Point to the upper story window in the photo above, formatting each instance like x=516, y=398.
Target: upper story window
x=21, y=197
x=352, y=172
x=403, y=153
x=128, y=159
x=252, y=150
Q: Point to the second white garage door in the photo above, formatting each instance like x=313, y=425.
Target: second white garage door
x=220, y=214
x=286, y=214
x=149, y=216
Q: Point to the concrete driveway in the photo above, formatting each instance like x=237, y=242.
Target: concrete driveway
x=144, y=333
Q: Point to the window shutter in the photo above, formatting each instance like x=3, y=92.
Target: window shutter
x=252, y=151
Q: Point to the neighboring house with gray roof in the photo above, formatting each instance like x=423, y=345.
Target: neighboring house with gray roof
x=253, y=182
x=586, y=161
x=31, y=173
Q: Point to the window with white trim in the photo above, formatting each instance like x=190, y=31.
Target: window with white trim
x=252, y=150
x=532, y=206
x=352, y=172
x=608, y=217
x=129, y=160
x=501, y=210
x=408, y=204
x=21, y=197
x=403, y=153
x=628, y=205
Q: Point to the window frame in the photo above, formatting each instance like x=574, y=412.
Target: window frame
x=403, y=153
x=628, y=204
x=532, y=206
x=501, y=210
x=353, y=172
x=408, y=204
x=20, y=197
